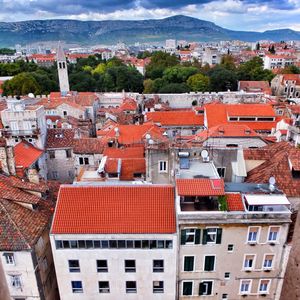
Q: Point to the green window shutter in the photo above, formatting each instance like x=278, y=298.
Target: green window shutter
x=204, y=237
x=219, y=236
x=197, y=236
x=201, y=288
x=209, y=288
x=183, y=237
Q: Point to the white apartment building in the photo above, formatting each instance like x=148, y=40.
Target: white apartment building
x=115, y=242
x=274, y=61
x=211, y=56
x=232, y=245
x=21, y=121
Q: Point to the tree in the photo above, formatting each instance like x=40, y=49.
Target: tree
x=227, y=62
x=148, y=86
x=21, y=84
x=178, y=74
x=222, y=79
x=291, y=70
x=198, y=83
x=100, y=69
x=257, y=46
x=174, y=88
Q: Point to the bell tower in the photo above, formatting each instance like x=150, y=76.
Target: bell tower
x=62, y=71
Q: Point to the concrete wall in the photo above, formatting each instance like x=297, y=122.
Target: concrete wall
x=232, y=261
x=241, y=142
x=116, y=274
x=4, y=291
x=62, y=165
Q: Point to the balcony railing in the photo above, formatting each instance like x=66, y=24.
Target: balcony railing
x=29, y=132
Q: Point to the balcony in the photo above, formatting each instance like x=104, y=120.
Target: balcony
x=204, y=204
x=30, y=132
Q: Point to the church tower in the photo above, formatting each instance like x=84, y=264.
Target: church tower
x=62, y=70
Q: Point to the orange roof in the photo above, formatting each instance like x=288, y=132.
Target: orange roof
x=115, y=210
x=234, y=202
x=291, y=77
x=227, y=130
x=176, y=118
x=218, y=113
x=200, y=187
x=255, y=86
x=128, y=104
x=26, y=154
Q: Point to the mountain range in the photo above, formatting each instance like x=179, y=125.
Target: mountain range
x=111, y=32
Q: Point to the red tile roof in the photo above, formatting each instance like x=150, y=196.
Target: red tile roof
x=234, y=202
x=278, y=160
x=60, y=138
x=26, y=154
x=176, y=118
x=200, y=187
x=227, y=130
x=255, y=86
x=115, y=210
x=88, y=146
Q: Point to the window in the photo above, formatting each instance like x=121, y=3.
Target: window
x=103, y=287
x=205, y=288
x=68, y=153
x=209, y=263
x=83, y=160
x=54, y=174
x=221, y=172
x=65, y=113
x=190, y=236
x=51, y=154
x=86, y=160
x=253, y=234
x=264, y=286
x=163, y=166
x=268, y=262
x=188, y=265
x=230, y=247
x=273, y=234
x=77, y=287
x=130, y=287
x=129, y=266
x=249, y=262
x=212, y=236
x=245, y=286
x=102, y=266
x=158, y=266
x=158, y=287
x=9, y=258
x=74, y=266
x=16, y=281
x=224, y=296
x=227, y=275
x=187, y=288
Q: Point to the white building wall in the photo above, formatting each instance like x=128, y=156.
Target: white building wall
x=24, y=267
x=116, y=275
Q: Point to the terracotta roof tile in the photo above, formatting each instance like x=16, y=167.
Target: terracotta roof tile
x=88, y=146
x=200, y=187
x=234, y=202
x=176, y=118
x=26, y=154
x=60, y=138
x=115, y=210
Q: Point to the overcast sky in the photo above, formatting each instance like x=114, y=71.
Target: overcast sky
x=256, y=15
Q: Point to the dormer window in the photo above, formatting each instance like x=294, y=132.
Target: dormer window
x=295, y=173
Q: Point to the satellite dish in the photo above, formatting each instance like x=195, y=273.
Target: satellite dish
x=165, y=134
x=148, y=136
x=151, y=142
x=272, y=180
x=204, y=153
x=31, y=95
x=116, y=129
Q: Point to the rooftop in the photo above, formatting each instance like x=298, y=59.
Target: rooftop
x=115, y=210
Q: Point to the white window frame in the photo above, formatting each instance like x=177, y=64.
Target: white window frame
x=277, y=237
x=194, y=234
x=103, y=290
x=224, y=171
x=268, y=286
x=159, y=166
x=16, y=281
x=215, y=234
x=158, y=290
x=230, y=251
x=264, y=259
x=9, y=258
x=253, y=263
x=215, y=262
x=194, y=263
x=257, y=236
x=227, y=278
x=250, y=286
x=192, y=281
x=212, y=287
